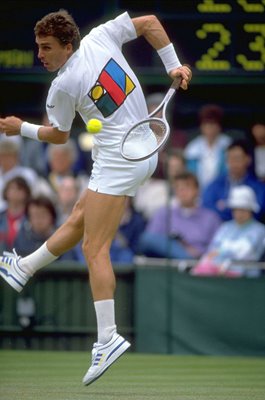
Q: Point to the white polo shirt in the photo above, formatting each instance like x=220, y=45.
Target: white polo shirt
x=97, y=82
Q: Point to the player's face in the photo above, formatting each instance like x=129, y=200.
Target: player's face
x=51, y=53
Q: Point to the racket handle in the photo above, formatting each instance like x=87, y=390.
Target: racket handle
x=176, y=83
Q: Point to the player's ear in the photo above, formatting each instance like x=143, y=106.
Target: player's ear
x=69, y=48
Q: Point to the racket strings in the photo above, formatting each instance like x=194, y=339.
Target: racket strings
x=159, y=129
x=144, y=138
x=143, y=131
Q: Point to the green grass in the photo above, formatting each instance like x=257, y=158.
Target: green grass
x=34, y=375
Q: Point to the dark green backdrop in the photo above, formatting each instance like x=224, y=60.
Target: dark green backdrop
x=158, y=309
x=178, y=313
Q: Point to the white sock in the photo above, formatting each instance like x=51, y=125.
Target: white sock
x=105, y=320
x=37, y=260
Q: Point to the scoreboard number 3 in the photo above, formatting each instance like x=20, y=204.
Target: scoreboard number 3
x=213, y=59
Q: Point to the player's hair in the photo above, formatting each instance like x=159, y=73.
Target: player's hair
x=62, y=26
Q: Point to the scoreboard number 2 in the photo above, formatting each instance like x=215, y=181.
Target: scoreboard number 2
x=220, y=38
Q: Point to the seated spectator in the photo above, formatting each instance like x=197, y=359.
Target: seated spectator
x=178, y=138
x=10, y=167
x=61, y=161
x=238, y=159
x=16, y=194
x=180, y=231
x=258, y=135
x=157, y=192
x=242, y=238
x=205, y=154
x=32, y=155
x=125, y=244
x=67, y=194
x=32, y=152
x=38, y=227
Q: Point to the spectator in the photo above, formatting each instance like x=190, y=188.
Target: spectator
x=61, y=161
x=16, y=193
x=39, y=225
x=67, y=194
x=155, y=192
x=177, y=137
x=242, y=238
x=238, y=161
x=125, y=243
x=258, y=135
x=32, y=152
x=37, y=228
x=205, y=154
x=182, y=231
x=10, y=167
x=32, y=155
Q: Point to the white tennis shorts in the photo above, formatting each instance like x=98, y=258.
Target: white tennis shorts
x=112, y=174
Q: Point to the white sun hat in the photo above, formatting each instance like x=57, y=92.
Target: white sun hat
x=243, y=197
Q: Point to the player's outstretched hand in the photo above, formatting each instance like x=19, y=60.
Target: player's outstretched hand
x=10, y=125
x=186, y=74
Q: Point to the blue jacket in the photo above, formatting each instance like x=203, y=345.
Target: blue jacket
x=215, y=195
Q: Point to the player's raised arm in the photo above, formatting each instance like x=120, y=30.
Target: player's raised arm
x=151, y=28
x=13, y=126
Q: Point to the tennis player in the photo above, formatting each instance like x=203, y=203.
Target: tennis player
x=95, y=80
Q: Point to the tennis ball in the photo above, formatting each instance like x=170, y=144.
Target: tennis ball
x=94, y=125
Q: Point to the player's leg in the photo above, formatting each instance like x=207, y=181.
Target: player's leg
x=71, y=232
x=102, y=217
x=17, y=271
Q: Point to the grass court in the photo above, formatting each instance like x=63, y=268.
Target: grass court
x=43, y=375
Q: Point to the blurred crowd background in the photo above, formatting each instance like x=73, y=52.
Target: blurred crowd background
x=206, y=200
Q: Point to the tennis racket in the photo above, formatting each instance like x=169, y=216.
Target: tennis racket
x=149, y=135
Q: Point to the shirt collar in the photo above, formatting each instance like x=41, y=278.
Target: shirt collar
x=69, y=62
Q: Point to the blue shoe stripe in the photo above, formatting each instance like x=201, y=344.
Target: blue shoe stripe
x=116, y=348
x=7, y=260
x=5, y=272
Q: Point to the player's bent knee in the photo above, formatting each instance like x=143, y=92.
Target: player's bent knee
x=76, y=218
x=95, y=254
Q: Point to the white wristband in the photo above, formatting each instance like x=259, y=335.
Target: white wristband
x=30, y=130
x=169, y=57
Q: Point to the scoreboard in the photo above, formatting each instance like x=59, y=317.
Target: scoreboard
x=218, y=38
x=230, y=36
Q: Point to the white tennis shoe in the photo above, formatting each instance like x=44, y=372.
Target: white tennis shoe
x=11, y=272
x=103, y=356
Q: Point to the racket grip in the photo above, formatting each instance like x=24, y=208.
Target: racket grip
x=176, y=83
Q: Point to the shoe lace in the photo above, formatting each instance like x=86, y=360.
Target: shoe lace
x=94, y=353
x=13, y=254
x=93, y=356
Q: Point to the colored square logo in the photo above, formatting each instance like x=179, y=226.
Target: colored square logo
x=111, y=88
